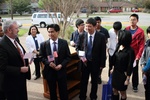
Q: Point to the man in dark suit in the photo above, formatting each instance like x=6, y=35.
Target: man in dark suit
x=14, y=70
x=104, y=31
x=2, y=95
x=55, y=55
x=94, y=50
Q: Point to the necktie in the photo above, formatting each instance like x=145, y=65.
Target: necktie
x=55, y=53
x=54, y=46
x=89, y=49
x=36, y=43
x=19, y=50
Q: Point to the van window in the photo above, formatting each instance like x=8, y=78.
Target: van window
x=59, y=15
x=34, y=16
x=42, y=16
x=53, y=15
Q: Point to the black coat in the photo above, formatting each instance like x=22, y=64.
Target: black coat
x=63, y=57
x=98, y=49
x=11, y=79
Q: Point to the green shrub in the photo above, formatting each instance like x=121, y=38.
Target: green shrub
x=22, y=31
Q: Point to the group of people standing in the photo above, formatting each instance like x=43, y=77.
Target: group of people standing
x=125, y=49
x=92, y=42
x=15, y=69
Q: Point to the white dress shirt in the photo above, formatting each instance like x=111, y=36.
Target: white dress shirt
x=52, y=44
x=112, y=41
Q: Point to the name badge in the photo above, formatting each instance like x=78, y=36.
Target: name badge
x=81, y=53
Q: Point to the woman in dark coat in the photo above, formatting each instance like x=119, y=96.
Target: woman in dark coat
x=123, y=59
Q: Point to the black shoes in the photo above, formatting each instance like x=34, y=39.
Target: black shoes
x=135, y=89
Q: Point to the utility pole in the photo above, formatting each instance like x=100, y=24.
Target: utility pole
x=11, y=7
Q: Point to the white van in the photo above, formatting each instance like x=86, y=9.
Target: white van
x=43, y=19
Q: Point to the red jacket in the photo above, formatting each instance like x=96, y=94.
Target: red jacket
x=138, y=41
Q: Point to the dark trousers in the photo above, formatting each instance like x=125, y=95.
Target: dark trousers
x=135, y=75
x=110, y=64
x=61, y=82
x=37, y=67
x=20, y=93
x=147, y=88
x=100, y=72
x=2, y=96
x=93, y=70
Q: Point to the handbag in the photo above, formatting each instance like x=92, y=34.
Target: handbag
x=107, y=90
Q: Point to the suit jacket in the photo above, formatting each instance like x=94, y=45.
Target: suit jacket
x=63, y=57
x=10, y=62
x=98, y=49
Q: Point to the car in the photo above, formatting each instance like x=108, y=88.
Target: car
x=134, y=10
x=83, y=10
x=115, y=10
x=18, y=23
x=43, y=19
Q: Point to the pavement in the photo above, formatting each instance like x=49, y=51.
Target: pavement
x=35, y=87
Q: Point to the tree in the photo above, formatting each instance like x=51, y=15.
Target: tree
x=138, y=3
x=66, y=7
x=147, y=4
x=45, y=4
x=21, y=6
x=2, y=1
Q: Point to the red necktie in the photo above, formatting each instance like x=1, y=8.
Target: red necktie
x=19, y=50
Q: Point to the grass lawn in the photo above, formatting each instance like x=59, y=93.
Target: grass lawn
x=22, y=31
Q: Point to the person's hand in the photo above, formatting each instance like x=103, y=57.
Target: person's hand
x=58, y=67
x=72, y=43
x=111, y=71
x=101, y=67
x=127, y=82
x=52, y=64
x=24, y=69
x=36, y=52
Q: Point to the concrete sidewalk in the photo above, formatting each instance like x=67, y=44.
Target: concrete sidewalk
x=35, y=87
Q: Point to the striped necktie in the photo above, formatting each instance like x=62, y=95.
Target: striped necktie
x=20, y=52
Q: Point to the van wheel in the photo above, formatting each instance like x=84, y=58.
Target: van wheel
x=42, y=25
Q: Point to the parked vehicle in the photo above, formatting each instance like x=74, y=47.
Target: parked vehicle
x=115, y=10
x=18, y=23
x=43, y=19
x=83, y=10
x=134, y=10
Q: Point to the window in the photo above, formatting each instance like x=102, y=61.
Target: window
x=34, y=16
x=42, y=16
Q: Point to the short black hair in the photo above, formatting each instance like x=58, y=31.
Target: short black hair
x=91, y=21
x=55, y=26
x=79, y=22
x=135, y=15
x=124, y=38
x=148, y=30
x=29, y=33
x=0, y=24
x=97, y=18
x=117, y=25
